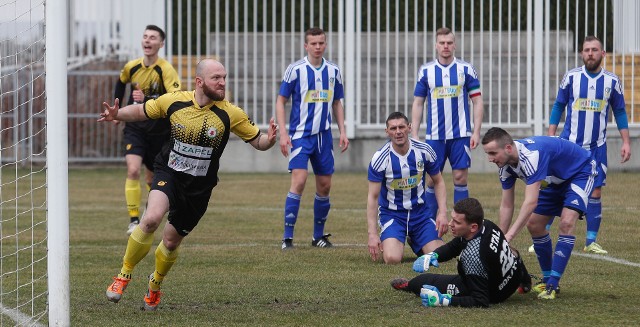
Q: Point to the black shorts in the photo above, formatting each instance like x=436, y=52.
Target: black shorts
x=185, y=211
x=446, y=284
x=147, y=146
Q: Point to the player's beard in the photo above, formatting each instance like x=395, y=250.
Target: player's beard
x=594, y=65
x=213, y=94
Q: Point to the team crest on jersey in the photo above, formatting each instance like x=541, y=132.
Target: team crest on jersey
x=607, y=92
x=212, y=132
x=420, y=165
x=332, y=80
x=461, y=78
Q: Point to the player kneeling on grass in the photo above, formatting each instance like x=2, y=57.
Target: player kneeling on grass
x=397, y=195
x=489, y=271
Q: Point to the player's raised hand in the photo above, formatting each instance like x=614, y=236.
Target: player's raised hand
x=110, y=112
x=272, y=131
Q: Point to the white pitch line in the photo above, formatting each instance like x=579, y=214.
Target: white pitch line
x=606, y=258
x=20, y=318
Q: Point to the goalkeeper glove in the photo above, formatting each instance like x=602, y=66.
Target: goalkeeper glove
x=422, y=264
x=431, y=297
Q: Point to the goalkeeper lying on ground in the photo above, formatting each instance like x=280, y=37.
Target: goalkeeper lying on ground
x=488, y=270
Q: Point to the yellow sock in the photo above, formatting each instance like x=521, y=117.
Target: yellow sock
x=164, y=261
x=138, y=246
x=132, y=192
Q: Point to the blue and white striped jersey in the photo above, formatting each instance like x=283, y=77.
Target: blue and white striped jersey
x=402, y=177
x=313, y=92
x=549, y=159
x=589, y=101
x=447, y=91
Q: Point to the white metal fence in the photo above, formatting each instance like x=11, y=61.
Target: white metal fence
x=521, y=49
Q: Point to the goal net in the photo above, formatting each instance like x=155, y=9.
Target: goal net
x=23, y=173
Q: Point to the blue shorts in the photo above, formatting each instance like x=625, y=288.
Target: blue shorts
x=315, y=148
x=414, y=223
x=599, y=154
x=573, y=193
x=457, y=151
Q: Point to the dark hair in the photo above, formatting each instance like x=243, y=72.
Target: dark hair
x=443, y=31
x=313, y=31
x=497, y=134
x=471, y=209
x=157, y=29
x=396, y=115
x=590, y=38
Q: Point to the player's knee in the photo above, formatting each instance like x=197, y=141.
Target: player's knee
x=567, y=226
x=536, y=227
x=150, y=222
x=392, y=258
x=133, y=174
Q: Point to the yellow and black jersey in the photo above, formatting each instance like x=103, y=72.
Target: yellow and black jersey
x=153, y=81
x=198, y=137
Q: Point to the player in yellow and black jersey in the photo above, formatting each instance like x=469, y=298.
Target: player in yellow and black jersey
x=150, y=77
x=186, y=171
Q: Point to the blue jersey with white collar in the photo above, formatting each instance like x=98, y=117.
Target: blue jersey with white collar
x=313, y=91
x=402, y=176
x=549, y=159
x=588, y=101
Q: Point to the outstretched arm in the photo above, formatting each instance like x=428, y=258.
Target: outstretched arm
x=506, y=209
x=528, y=205
x=264, y=142
x=134, y=112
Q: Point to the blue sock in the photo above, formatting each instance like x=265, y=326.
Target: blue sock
x=561, y=258
x=544, y=251
x=460, y=192
x=431, y=201
x=291, y=208
x=321, y=206
x=594, y=217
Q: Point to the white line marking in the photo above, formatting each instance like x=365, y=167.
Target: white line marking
x=20, y=318
x=606, y=258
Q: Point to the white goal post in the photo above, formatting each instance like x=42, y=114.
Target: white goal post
x=57, y=162
x=34, y=215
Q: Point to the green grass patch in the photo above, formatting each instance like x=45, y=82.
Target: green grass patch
x=231, y=271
